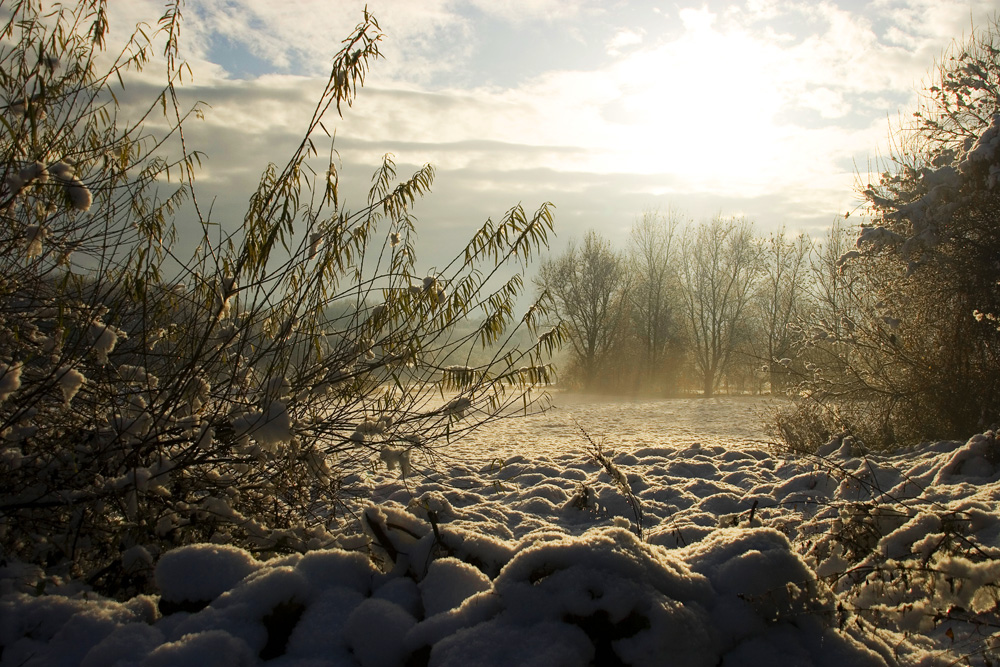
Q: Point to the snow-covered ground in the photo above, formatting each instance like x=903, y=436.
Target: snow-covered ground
x=519, y=548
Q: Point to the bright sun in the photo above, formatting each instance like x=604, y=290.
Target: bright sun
x=703, y=108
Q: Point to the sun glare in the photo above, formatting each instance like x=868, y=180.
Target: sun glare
x=702, y=108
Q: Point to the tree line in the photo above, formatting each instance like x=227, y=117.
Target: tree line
x=684, y=307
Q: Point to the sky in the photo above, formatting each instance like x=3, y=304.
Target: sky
x=764, y=109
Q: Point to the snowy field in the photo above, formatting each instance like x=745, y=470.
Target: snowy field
x=519, y=548
x=622, y=423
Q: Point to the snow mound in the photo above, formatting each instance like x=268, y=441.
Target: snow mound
x=601, y=597
x=202, y=572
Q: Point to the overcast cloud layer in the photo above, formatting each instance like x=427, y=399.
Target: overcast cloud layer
x=763, y=108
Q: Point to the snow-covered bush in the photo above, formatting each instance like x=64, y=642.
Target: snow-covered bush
x=908, y=542
x=148, y=402
x=912, y=351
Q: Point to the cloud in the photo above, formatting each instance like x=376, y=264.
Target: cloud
x=829, y=103
x=697, y=20
x=301, y=37
x=519, y=11
x=623, y=39
x=763, y=107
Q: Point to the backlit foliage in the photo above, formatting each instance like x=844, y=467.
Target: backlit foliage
x=148, y=401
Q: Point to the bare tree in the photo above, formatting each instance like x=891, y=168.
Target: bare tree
x=652, y=263
x=588, y=286
x=720, y=266
x=779, y=302
x=832, y=279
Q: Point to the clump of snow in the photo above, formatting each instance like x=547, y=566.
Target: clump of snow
x=457, y=407
x=127, y=644
x=985, y=150
x=105, y=339
x=56, y=629
x=370, y=427
x=877, y=237
x=212, y=648
x=448, y=583
x=132, y=374
x=270, y=427
x=202, y=571
x=979, y=457
x=70, y=381
x=385, y=646
x=136, y=559
x=338, y=569
x=197, y=393
x=78, y=194
x=33, y=172
x=10, y=379
x=847, y=257
x=609, y=585
x=396, y=458
x=35, y=235
x=61, y=170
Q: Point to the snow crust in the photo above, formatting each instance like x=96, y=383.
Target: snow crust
x=749, y=557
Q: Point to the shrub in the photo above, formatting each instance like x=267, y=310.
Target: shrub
x=147, y=401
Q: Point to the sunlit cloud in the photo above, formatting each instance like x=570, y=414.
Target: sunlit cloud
x=622, y=40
